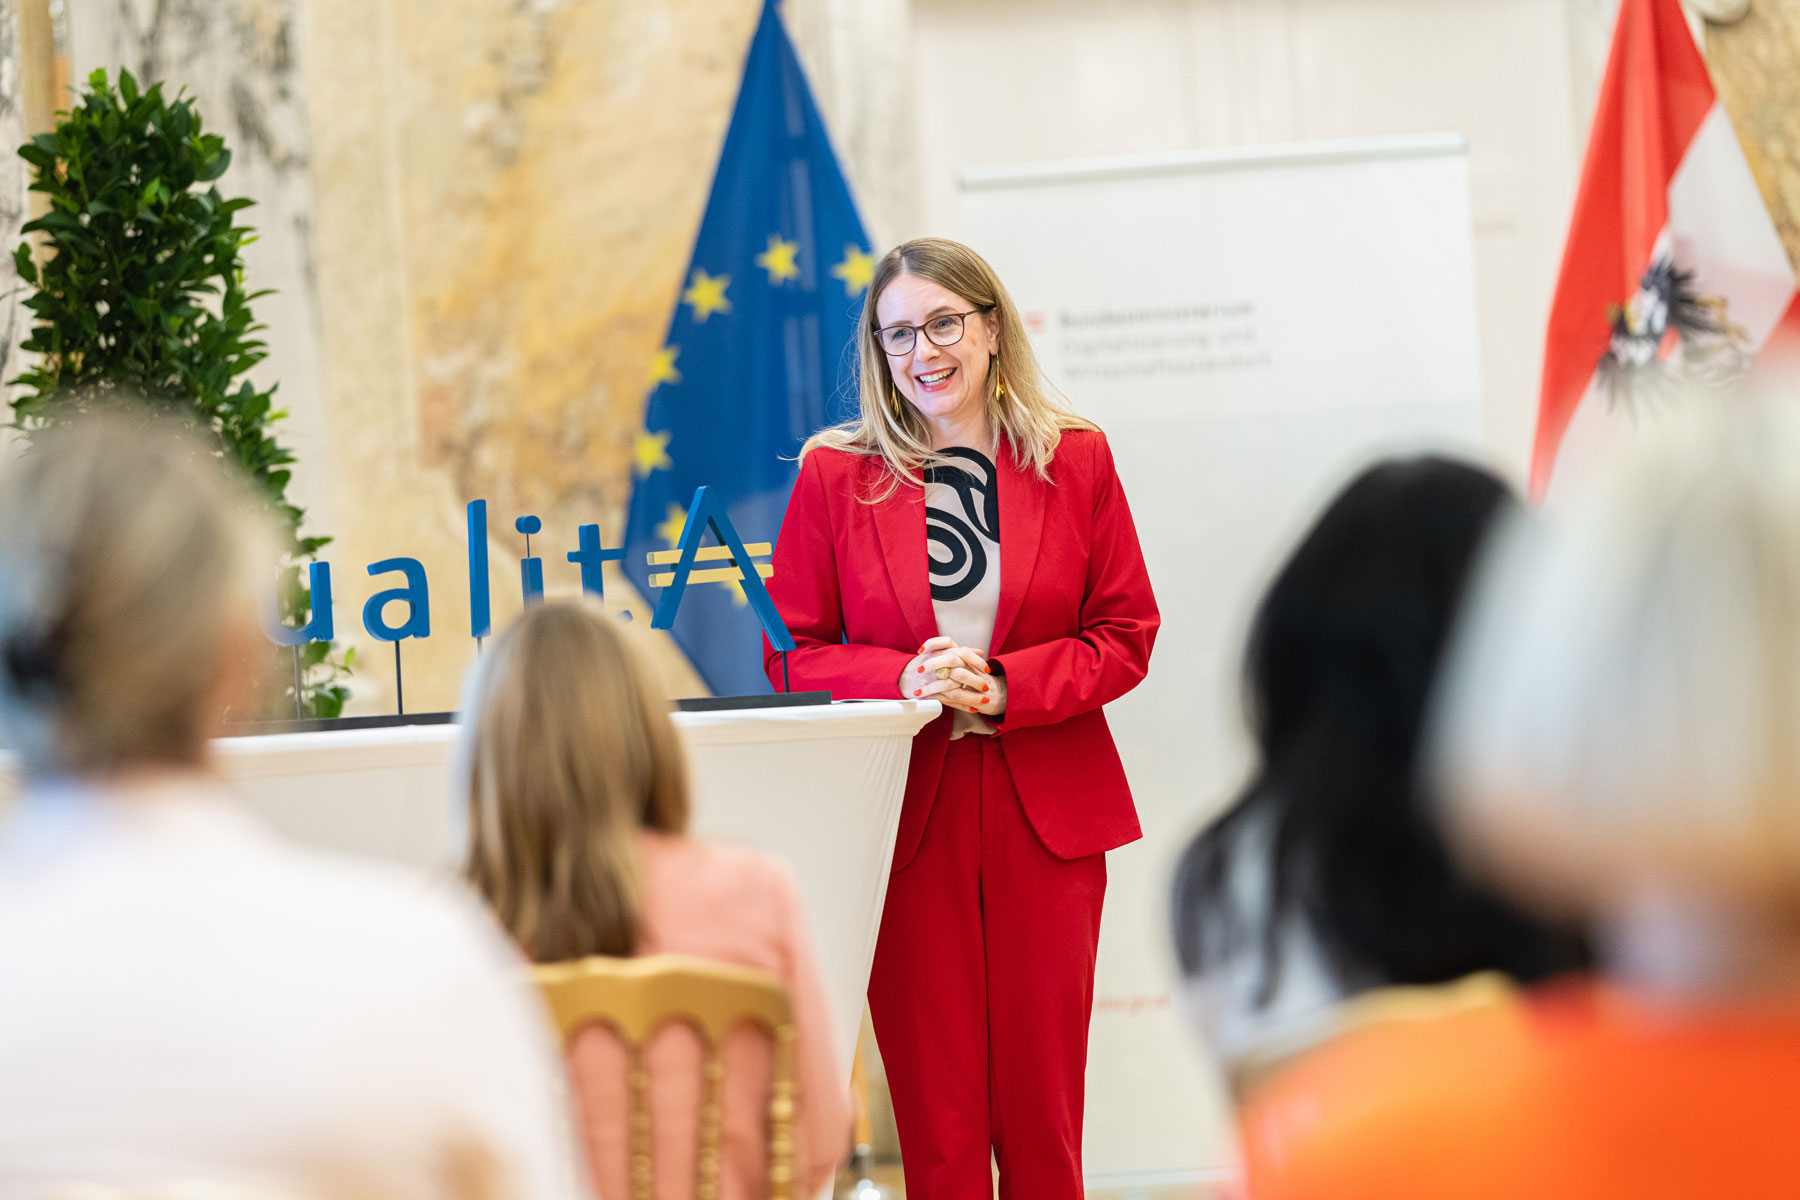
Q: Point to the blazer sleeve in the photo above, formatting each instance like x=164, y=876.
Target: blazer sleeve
x=1065, y=677
x=807, y=590
x=824, y=1126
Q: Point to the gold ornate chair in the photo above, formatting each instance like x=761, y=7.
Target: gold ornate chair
x=637, y=997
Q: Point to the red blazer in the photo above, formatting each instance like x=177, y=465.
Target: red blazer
x=1074, y=628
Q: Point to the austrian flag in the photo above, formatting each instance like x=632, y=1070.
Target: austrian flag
x=1673, y=277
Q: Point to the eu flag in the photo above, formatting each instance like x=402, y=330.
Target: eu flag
x=760, y=351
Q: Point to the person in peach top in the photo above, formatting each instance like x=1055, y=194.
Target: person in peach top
x=578, y=814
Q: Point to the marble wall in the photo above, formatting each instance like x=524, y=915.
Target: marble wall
x=477, y=215
x=1754, y=69
x=513, y=193
x=14, y=318
x=239, y=59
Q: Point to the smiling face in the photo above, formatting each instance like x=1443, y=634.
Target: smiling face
x=948, y=385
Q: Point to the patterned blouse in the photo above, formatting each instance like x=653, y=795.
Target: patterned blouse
x=962, y=535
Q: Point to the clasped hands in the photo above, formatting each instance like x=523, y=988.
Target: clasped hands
x=954, y=675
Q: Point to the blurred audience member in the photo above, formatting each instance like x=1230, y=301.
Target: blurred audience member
x=1328, y=877
x=578, y=814
x=1620, y=741
x=185, y=1000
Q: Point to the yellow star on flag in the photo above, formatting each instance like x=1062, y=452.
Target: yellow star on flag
x=706, y=294
x=662, y=368
x=670, y=531
x=857, y=270
x=652, y=452
x=778, y=259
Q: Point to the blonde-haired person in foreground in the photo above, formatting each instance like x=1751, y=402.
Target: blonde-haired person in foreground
x=578, y=816
x=1621, y=738
x=187, y=1001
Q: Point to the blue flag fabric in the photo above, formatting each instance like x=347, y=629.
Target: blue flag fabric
x=760, y=351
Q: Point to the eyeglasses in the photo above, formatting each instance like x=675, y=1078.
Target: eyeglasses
x=946, y=330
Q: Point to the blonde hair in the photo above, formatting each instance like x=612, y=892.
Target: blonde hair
x=1021, y=404
x=1623, y=705
x=567, y=752
x=128, y=553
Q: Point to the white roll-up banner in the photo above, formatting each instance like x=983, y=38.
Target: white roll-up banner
x=1249, y=327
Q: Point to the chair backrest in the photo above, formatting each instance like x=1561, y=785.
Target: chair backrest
x=637, y=997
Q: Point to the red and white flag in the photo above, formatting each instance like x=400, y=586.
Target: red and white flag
x=1673, y=278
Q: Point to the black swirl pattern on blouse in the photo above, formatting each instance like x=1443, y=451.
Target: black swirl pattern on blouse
x=965, y=564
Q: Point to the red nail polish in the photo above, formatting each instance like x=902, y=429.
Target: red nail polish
x=984, y=687
x=921, y=670
x=918, y=691
x=989, y=670
x=984, y=699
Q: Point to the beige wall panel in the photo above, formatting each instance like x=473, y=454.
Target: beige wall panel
x=1494, y=70
x=1020, y=80
x=1168, y=74
x=858, y=57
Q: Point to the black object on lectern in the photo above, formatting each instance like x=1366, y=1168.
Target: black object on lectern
x=391, y=721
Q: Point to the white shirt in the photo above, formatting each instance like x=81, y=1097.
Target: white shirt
x=1223, y=1001
x=962, y=543
x=186, y=1000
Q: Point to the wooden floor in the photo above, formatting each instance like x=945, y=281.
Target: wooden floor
x=881, y=1140
x=888, y=1178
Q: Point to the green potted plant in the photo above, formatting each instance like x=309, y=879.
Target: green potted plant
x=139, y=292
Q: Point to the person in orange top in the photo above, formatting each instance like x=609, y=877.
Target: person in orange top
x=578, y=814
x=1618, y=740
x=1571, y=1093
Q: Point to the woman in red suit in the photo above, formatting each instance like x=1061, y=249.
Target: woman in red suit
x=966, y=540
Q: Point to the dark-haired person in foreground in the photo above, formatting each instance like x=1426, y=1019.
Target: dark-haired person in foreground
x=1615, y=739
x=1327, y=877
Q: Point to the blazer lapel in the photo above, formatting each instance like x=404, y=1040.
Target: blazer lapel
x=1022, y=503
x=900, y=523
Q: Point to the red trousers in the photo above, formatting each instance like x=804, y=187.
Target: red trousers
x=981, y=992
